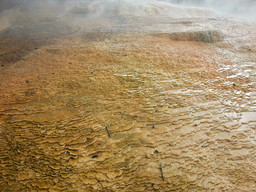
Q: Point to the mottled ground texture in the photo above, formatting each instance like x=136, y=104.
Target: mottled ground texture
x=129, y=109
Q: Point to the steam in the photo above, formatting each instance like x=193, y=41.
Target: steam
x=89, y=13
x=245, y=9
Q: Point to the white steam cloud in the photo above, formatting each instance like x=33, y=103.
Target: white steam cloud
x=113, y=12
x=236, y=8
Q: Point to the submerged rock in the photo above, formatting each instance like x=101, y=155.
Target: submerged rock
x=198, y=36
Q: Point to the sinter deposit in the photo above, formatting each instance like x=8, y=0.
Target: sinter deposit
x=125, y=96
x=199, y=36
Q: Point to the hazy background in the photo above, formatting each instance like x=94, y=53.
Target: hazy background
x=243, y=7
x=25, y=12
x=236, y=8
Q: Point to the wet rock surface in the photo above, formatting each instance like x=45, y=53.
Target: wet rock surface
x=18, y=41
x=198, y=36
x=129, y=112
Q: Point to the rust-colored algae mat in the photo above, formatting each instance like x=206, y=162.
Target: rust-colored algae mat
x=103, y=111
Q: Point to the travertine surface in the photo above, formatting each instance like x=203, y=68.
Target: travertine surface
x=128, y=112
